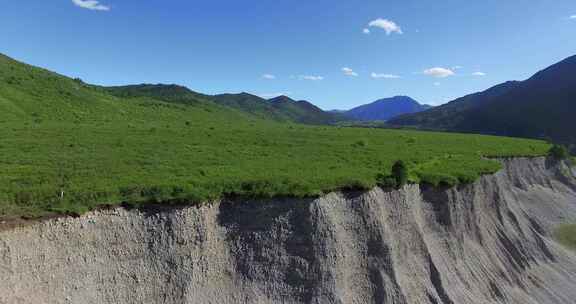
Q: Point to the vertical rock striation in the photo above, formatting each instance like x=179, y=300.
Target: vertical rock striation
x=488, y=242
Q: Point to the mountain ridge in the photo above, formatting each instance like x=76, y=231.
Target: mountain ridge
x=281, y=108
x=386, y=108
x=542, y=106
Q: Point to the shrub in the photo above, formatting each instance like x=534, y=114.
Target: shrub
x=400, y=173
x=438, y=179
x=359, y=144
x=386, y=181
x=559, y=152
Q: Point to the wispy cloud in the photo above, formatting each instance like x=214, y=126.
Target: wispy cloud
x=310, y=77
x=478, y=74
x=349, y=72
x=387, y=25
x=91, y=5
x=439, y=72
x=268, y=76
x=573, y=17
x=366, y=31
x=385, y=76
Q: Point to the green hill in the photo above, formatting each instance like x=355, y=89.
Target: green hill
x=281, y=109
x=544, y=106
x=446, y=116
x=168, y=93
x=305, y=112
x=67, y=147
x=253, y=105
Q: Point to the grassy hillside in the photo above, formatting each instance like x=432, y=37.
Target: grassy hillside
x=304, y=112
x=253, y=105
x=69, y=147
x=451, y=114
x=543, y=106
x=168, y=93
x=282, y=109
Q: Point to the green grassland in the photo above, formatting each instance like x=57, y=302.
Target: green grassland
x=68, y=147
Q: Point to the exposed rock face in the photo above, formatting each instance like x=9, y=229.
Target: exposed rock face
x=488, y=242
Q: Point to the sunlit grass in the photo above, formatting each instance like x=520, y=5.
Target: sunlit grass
x=68, y=147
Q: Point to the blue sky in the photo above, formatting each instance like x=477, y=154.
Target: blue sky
x=316, y=50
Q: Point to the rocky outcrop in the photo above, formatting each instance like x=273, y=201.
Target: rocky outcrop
x=488, y=242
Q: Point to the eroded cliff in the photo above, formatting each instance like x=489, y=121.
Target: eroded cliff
x=488, y=242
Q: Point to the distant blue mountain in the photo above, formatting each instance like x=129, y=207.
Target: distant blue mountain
x=387, y=108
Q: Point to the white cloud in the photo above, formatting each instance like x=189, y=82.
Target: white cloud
x=349, y=72
x=268, y=76
x=385, y=76
x=91, y=5
x=387, y=25
x=366, y=31
x=478, y=74
x=457, y=67
x=573, y=17
x=439, y=72
x=310, y=77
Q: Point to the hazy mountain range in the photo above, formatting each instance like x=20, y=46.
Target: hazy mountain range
x=384, y=109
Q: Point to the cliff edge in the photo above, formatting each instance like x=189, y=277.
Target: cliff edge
x=487, y=242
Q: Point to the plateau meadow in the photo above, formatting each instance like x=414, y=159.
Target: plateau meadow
x=67, y=147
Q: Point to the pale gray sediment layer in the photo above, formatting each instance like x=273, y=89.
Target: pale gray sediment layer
x=488, y=242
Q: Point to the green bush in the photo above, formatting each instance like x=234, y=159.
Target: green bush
x=386, y=181
x=559, y=152
x=400, y=173
x=438, y=179
x=359, y=144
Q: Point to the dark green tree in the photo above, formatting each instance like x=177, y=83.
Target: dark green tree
x=400, y=173
x=559, y=152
